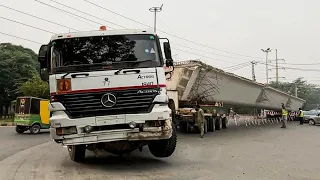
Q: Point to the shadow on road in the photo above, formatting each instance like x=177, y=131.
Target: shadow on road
x=29, y=134
x=109, y=162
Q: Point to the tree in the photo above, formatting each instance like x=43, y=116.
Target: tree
x=35, y=87
x=308, y=92
x=17, y=65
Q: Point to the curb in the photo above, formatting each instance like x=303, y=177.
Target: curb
x=7, y=124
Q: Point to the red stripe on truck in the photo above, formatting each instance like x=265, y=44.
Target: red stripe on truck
x=110, y=89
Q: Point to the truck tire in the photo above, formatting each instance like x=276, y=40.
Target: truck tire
x=210, y=125
x=213, y=125
x=20, y=129
x=218, y=123
x=225, y=123
x=77, y=153
x=35, y=129
x=164, y=148
x=205, y=126
x=183, y=127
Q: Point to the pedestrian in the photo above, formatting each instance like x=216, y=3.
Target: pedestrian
x=232, y=116
x=301, y=116
x=200, y=120
x=284, y=117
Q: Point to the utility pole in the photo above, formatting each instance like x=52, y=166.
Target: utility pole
x=155, y=10
x=277, y=66
x=295, y=90
x=267, y=51
x=253, y=73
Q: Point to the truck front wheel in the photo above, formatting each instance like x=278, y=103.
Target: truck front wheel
x=164, y=148
x=77, y=153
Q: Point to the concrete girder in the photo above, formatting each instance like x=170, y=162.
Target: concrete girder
x=195, y=80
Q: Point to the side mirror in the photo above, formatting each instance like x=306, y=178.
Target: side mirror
x=42, y=56
x=169, y=62
x=167, y=50
x=44, y=74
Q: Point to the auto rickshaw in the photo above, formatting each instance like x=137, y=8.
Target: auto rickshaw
x=31, y=113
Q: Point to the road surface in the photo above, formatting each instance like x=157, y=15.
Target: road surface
x=12, y=143
x=240, y=153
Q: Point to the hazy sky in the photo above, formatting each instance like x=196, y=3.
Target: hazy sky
x=239, y=27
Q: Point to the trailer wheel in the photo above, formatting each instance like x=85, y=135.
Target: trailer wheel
x=213, y=125
x=210, y=124
x=164, y=148
x=20, y=129
x=205, y=126
x=225, y=123
x=218, y=123
x=183, y=127
x=77, y=153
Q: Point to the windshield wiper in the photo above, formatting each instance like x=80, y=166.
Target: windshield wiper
x=62, y=77
x=117, y=72
x=133, y=62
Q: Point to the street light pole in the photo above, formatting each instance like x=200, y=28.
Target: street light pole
x=155, y=10
x=267, y=62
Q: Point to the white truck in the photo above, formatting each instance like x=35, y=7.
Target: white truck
x=108, y=92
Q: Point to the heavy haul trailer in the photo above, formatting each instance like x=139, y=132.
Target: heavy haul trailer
x=197, y=81
x=184, y=116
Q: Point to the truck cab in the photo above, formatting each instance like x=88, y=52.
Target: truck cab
x=108, y=91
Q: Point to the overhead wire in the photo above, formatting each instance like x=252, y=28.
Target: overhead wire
x=106, y=9
x=62, y=4
x=59, y=9
x=17, y=22
x=208, y=52
x=201, y=56
x=20, y=38
x=311, y=64
x=237, y=68
x=37, y=17
x=236, y=65
x=285, y=67
x=87, y=14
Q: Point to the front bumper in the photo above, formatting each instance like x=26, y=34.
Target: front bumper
x=159, y=113
x=154, y=133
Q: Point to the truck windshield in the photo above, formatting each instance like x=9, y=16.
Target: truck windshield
x=116, y=51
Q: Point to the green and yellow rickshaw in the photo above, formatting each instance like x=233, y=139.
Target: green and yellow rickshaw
x=31, y=113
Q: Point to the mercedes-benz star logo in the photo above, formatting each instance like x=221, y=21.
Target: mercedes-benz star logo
x=108, y=100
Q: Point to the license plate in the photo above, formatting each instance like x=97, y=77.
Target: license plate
x=110, y=120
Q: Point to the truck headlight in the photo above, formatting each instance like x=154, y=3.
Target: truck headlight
x=161, y=99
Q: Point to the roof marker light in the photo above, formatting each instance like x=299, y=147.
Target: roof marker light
x=103, y=28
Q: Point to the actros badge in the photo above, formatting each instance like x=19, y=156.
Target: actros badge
x=108, y=100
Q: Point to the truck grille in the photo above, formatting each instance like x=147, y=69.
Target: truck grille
x=89, y=104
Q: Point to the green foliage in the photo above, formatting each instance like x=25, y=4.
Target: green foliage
x=35, y=87
x=17, y=65
x=308, y=92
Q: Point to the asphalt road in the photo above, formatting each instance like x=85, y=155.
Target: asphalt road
x=12, y=143
x=241, y=153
